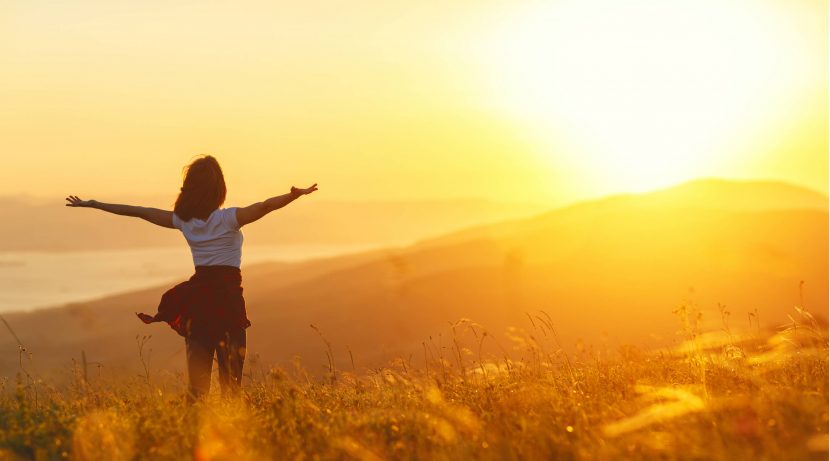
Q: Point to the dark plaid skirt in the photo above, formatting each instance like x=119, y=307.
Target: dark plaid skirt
x=210, y=304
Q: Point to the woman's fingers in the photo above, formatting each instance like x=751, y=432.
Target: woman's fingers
x=74, y=200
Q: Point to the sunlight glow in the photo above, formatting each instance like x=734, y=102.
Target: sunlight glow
x=643, y=94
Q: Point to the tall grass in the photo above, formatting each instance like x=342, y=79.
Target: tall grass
x=725, y=395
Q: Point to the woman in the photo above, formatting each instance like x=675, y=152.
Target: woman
x=208, y=310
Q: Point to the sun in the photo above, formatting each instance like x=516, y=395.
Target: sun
x=639, y=95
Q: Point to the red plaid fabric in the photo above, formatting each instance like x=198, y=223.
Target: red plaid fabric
x=209, y=304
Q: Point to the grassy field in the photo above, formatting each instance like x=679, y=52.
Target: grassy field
x=719, y=395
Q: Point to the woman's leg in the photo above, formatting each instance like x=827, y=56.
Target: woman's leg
x=199, y=363
x=231, y=356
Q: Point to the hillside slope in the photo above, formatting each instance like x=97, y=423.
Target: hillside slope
x=609, y=272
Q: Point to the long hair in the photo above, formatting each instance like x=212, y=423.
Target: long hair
x=203, y=189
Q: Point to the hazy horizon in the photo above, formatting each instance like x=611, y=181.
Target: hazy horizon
x=111, y=271
x=162, y=200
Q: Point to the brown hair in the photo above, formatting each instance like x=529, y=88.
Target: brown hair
x=203, y=190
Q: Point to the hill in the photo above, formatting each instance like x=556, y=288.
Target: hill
x=38, y=225
x=609, y=272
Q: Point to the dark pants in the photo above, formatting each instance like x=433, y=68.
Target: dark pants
x=230, y=355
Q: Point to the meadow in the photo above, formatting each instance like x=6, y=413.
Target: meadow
x=726, y=394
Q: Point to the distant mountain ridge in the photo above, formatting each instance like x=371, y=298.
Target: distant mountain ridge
x=716, y=194
x=36, y=226
x=738, y=195
x=608, y=272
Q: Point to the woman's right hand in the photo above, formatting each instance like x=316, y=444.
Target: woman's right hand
x=77, y=202
x=297, y=191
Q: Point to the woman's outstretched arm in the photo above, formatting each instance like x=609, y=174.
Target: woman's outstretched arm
x=253, y=212
x=156, y=216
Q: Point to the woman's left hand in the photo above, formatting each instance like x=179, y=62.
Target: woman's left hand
x=74, y=200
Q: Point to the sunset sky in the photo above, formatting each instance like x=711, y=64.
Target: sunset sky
x=515, y=101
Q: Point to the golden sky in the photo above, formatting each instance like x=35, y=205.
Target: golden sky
x=539, y=101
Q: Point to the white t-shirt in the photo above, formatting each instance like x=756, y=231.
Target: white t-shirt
x=216, y=241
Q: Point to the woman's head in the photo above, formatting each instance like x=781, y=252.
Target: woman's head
x=203, y=190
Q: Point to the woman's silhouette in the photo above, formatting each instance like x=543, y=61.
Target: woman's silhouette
x=208, y=310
